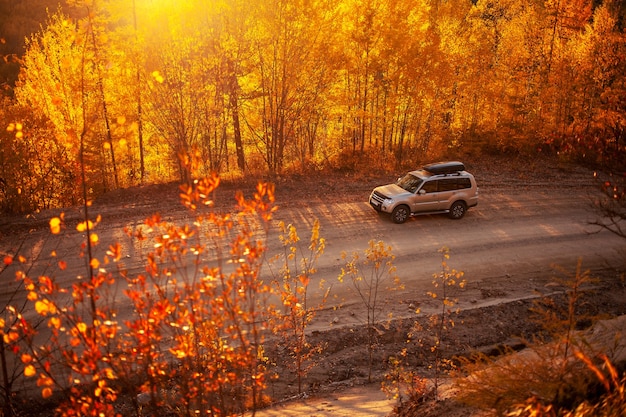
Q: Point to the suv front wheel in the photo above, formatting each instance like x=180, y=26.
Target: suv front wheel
x=457, y=210
x=400, y=214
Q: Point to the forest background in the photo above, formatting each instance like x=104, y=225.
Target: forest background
x=135, y=90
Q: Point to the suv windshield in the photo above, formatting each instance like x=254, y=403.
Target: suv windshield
x=409, y=182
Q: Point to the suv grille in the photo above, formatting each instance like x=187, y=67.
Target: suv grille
x=378, y=197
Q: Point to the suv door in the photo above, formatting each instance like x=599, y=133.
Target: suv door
x=447, y=189
x=426, y=198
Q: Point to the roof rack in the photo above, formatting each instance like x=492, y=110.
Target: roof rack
x=444, y=168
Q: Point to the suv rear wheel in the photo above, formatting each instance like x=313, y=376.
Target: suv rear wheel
x=457, y=210
x=400, y=214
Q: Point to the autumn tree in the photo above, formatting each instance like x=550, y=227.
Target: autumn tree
x=176, y=104
x=290, y=75
x=599, y=121
x=229, y=44
x=363, y=30
x=194, y=103
x=56, y=82
x=26, y=147
x=395, y=105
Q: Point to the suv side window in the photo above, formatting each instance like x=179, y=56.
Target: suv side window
x=464, y=183
x=451, y=184
x=448, y=184
x=430, y=187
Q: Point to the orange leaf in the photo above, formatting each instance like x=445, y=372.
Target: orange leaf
x=10, y=337
x=55, y=225
x=30, y=371
x=54, y=322
x=46, y=392
x=26, y=358
x=8, y=260
x=82, y=327
x=109, y=373
x=42, y=307
x=82, y=226
x=115, y=251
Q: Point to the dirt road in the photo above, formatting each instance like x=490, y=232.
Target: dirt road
x=528, y=219
x=507, y=244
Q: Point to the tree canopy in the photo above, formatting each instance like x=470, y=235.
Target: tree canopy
x=279, y=85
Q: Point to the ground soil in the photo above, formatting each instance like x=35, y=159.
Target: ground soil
x=492, y=316
x=490, y=330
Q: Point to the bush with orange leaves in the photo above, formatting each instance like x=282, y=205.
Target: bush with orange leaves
x=192, y=341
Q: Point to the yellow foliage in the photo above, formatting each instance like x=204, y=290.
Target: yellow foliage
x=109, y=373
x=30, y=371
x=55, y=225
x=158, y=77
x=83, y=226
x=82, y=327
x=54, y=322
x=45, y=307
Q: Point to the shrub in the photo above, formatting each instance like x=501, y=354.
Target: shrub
x=552, y=377
x=194, y=339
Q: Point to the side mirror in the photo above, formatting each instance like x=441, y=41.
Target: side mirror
x=422, y=192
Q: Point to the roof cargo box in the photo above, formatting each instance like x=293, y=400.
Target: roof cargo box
x=449, y=167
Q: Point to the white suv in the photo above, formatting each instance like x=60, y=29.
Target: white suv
x=444, y=187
